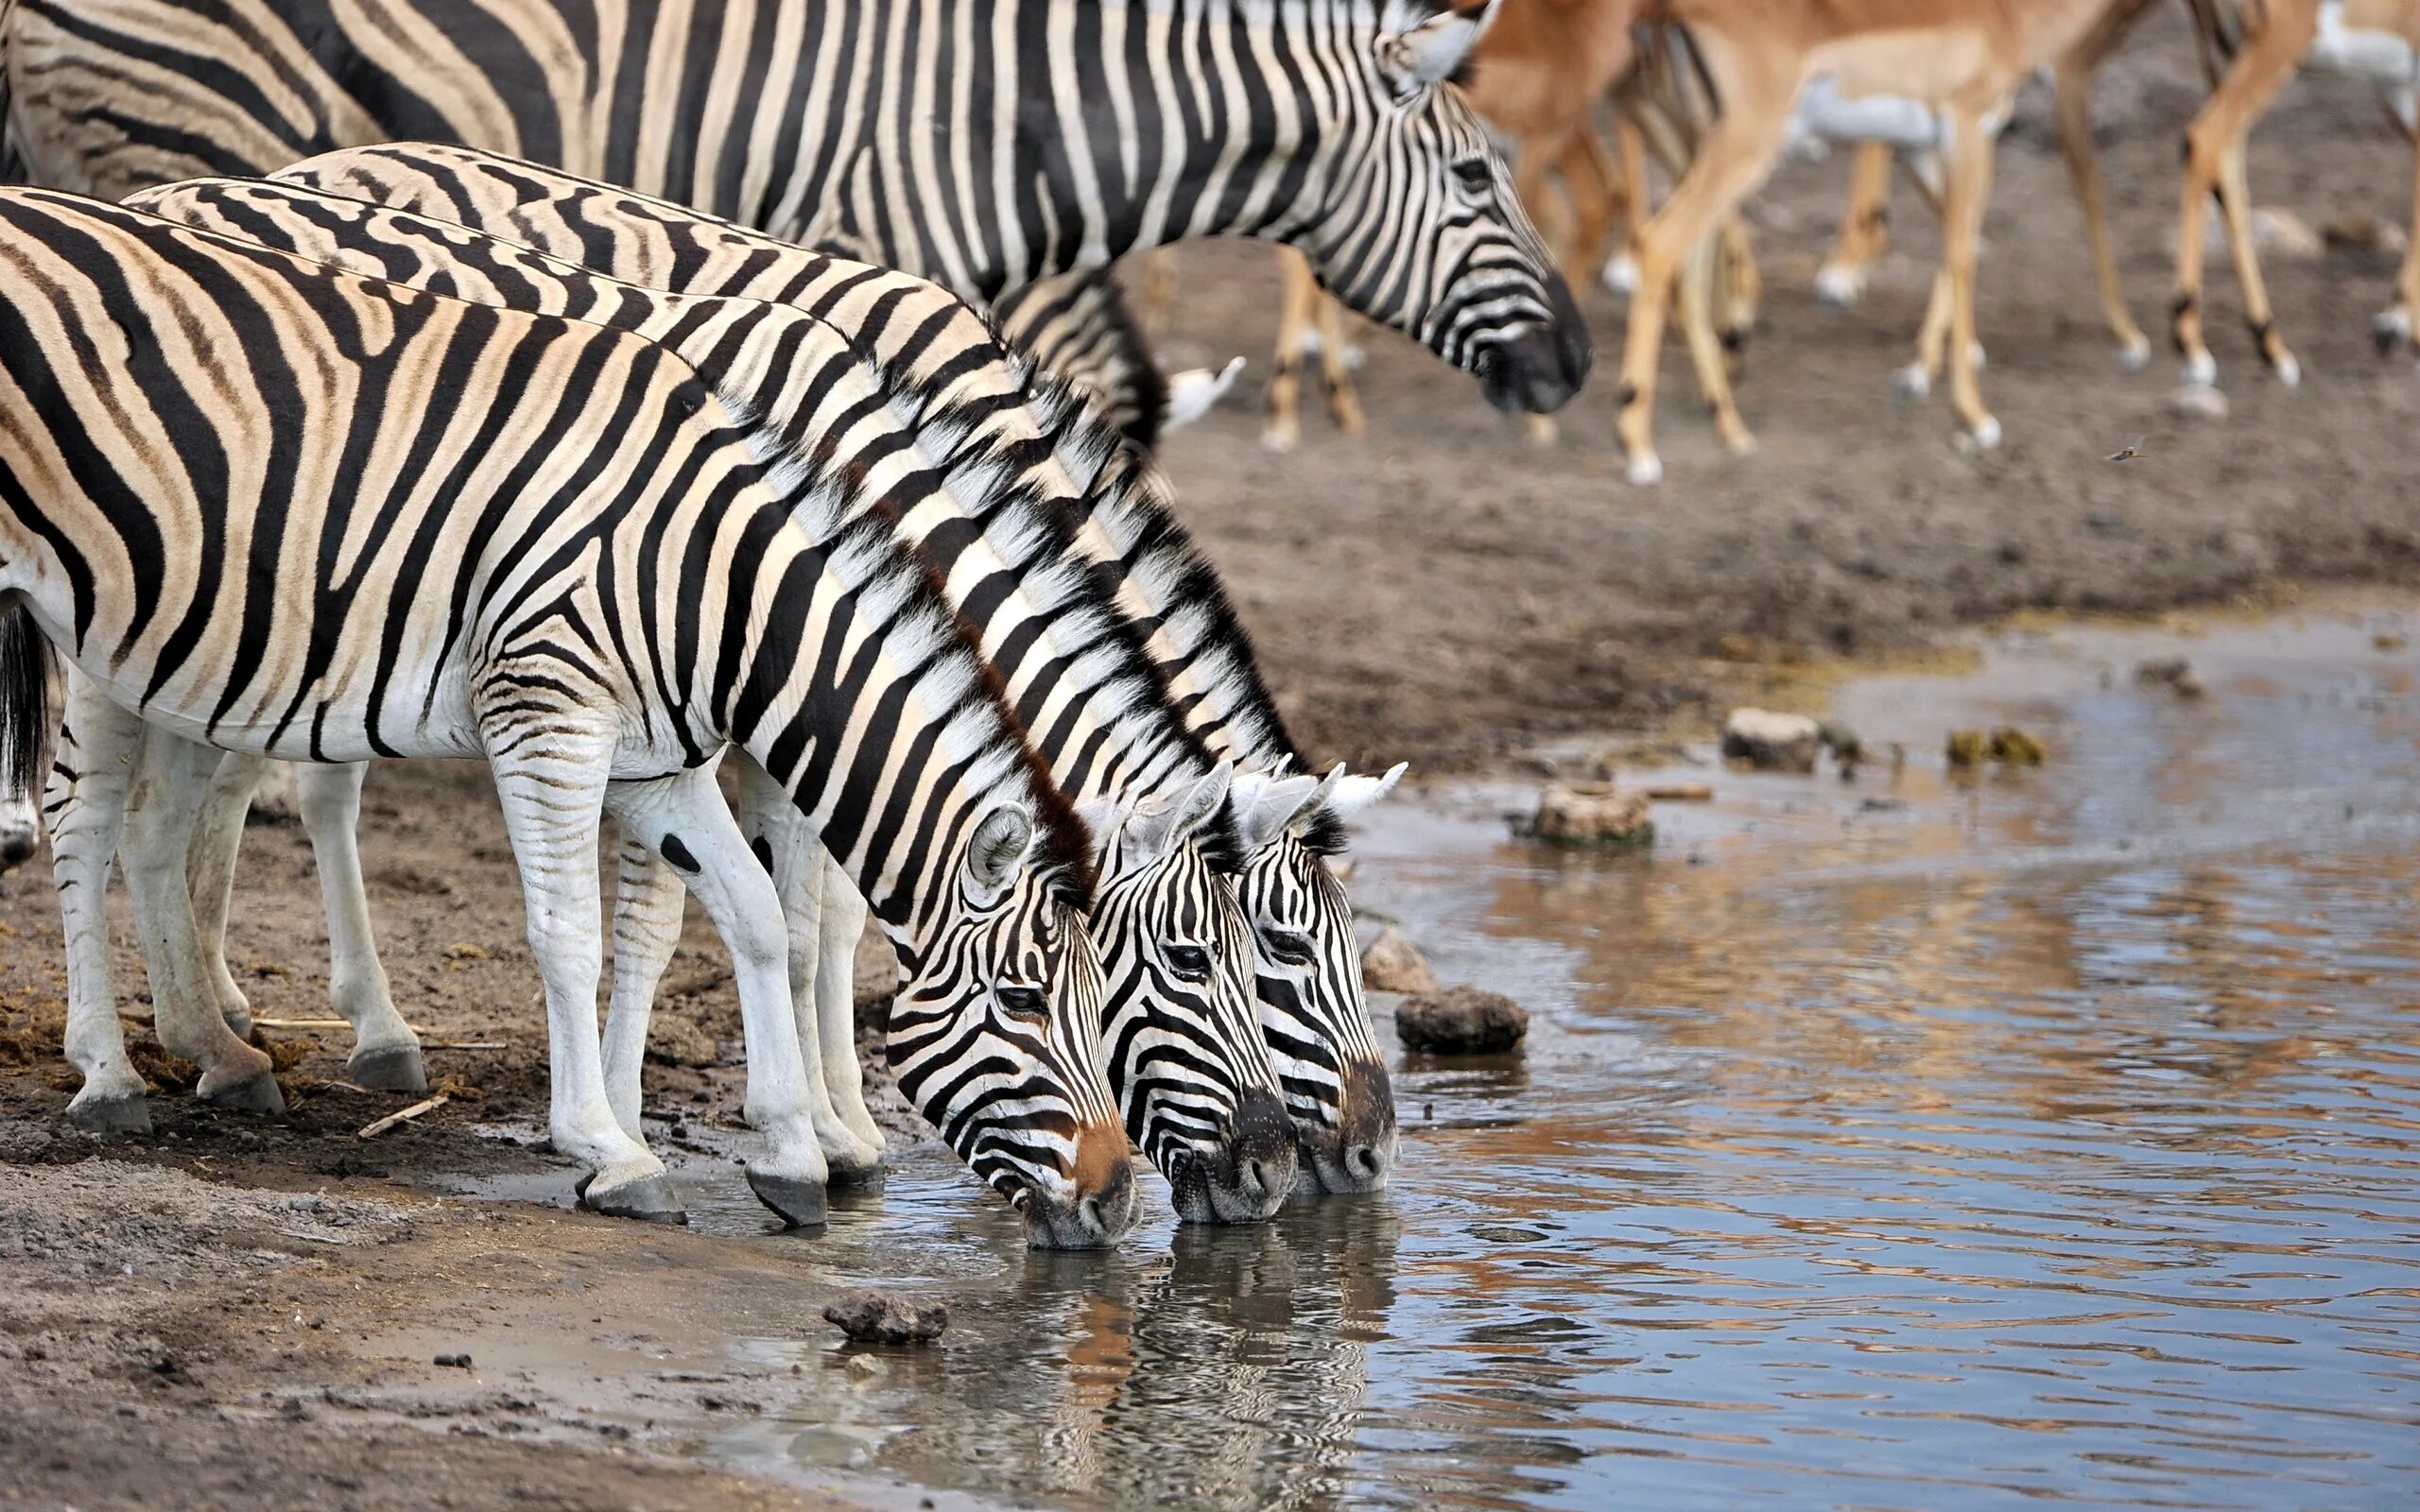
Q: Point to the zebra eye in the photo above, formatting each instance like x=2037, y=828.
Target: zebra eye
x=1290, y=946
x=1190, y=962
x=1475, y=174
x=1021, y=1002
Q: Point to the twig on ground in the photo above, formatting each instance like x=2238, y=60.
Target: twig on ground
x=371, y=1131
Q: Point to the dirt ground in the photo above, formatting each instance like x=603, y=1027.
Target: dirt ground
x=241, y=1312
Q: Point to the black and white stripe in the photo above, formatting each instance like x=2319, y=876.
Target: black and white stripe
x=983, y=143
x=265, y=505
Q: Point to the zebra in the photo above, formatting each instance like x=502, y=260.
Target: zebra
x=557, y=548
x=1306, y=967
x=1199, y=1090
x=983, y=143
x=27, y=655
x=1078, y=328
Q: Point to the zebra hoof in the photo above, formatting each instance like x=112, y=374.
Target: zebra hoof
x=255, y=1094
x=860, y=1177
x=111, y=1115
x=798, y=1204
x=649, y=1200
x=395, y=1069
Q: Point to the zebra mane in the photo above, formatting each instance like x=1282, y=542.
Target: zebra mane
x=895, y=587
x=1036, y=525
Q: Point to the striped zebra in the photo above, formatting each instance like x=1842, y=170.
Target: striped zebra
x=468, y=530
x=1078, y=328
x=982, y=144
x=27, y=657
x=1305, y=964
x=1199, y=1092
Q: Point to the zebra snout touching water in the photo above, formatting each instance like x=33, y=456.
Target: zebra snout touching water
x=465, y=530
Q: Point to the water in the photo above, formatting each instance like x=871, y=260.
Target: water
x=1914, y=1143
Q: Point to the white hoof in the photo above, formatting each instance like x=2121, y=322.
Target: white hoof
x=1621, y=274
x=1911, y=384
x=2135, y=355
x=1839, y=287
x=1646, y=470
x=2289, y=373
x=1985, y=434
x=1280, y=439
x=2201, y=370
x=1195, y=391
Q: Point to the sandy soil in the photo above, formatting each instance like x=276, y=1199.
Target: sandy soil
x=1439, y=591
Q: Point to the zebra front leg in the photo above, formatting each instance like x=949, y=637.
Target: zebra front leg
x=553, y=796
x=385, y=1054
x=648, y=899
x=836, y=1001
x=799, y=866
x=185, y=1010
x=684, y=819
x=217, y=835
x=100, y=746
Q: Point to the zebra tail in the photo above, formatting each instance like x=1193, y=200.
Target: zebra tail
x=13, y=168
x=27, y=718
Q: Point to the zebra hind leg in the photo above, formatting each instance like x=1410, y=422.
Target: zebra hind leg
x=385, y=1054
x=648, y=899
x=85, y=802
x=684, y=819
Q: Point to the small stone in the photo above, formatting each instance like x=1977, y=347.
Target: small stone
x=466, y=952
x=1587, y=814
x=1842, y=741
x=870, y=1318
x=2012, y=747
x=1394, y=964
x=673, y=1041
x=864, y=1365
x=2389, y=639
x=1771, y=741
x=453, y=1361
x=2176, y=672
x=1464, y=1021
x=1966, y=748
x=2361, y=232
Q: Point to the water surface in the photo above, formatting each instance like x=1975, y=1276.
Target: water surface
x=1914, y=1142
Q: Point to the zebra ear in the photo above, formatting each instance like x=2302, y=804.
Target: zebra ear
x=1353, y=794
x=997, y=850
x=1428, y=52
x=1160, y=825
x=1266, y=803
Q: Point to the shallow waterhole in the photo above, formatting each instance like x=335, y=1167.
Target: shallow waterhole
x=1918, y=1141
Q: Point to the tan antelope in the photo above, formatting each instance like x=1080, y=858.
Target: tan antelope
x=1961, y=60
x=1864, y=233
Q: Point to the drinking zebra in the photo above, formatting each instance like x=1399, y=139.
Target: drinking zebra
x=468, y=530
x=1199, y=1092
x=1306, y=966
x=983, y=143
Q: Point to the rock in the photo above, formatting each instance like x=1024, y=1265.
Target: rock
x=673, y=1041
x=1580, y=814
x=1463, y=1021
x=2282, y=234
x=1966, y=748
x=2360, y=232
x=2176, y=672
x=870, y=1318
x=1771, y=741
x=453, y=1361
x=2017, y=747
x=2389, y=639
x=1394, y=964
x=1842, y=741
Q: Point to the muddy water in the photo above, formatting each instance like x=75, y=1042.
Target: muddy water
x=1907, y=1142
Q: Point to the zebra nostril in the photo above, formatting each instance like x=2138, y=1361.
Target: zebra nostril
x=1365, y=1161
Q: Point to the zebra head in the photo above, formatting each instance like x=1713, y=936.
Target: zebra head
x=1419, y=228
x=996, y=1038
x=1309, y=975
x=1201, y=1094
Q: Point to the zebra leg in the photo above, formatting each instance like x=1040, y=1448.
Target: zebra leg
x=684, y=819
x=99, y=747
x=790, y=854
x=218, y=835
x=385, y=1054
x=158, y=843
x=553, y=793
x=836, y=1001
x=647, y=930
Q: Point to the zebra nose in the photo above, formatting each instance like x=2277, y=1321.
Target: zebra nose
x=1364, y=1150
x=1541, y=369
x=1262, y=1154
